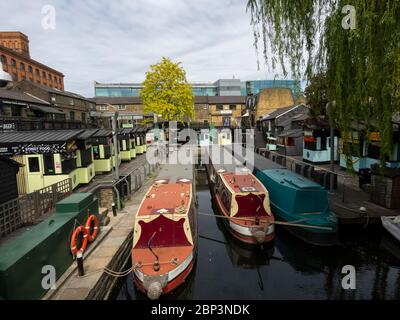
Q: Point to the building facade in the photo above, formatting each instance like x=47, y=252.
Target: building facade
x=222, y=87
x=16, y=60
x=74, y=106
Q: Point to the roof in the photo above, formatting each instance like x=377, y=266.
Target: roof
x=103, y=133
x=277, y=113
x=46, y=109
x=20, y=96
x=56, y=91
x=39, y=136
x=86, y=134
x=293, y=133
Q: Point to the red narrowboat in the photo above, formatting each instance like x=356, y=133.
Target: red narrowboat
x=165, y=233
x=242, y=200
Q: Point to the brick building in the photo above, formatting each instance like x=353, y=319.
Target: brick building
x=74, y=106
x=16, y=60
x=222, y=111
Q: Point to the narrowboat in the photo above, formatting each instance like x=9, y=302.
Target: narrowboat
x=124, y=140
x=84, y=157
x=48, y=157
x=165, y=232
x=296, y=199
x=242, y=200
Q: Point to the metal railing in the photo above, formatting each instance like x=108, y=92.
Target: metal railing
x=32, y=208
x=308, y=170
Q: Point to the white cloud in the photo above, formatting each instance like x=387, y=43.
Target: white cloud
x=116, y=41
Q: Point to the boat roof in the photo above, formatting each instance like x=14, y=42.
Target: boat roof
x=103, y=133
x=242, y=182
x=86, y=134
x=291, y=179
x=166, y=199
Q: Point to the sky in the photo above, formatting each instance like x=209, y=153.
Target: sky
x=116, y=41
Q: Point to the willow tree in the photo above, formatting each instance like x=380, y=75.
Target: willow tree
x=355, y=42
x=166, y=91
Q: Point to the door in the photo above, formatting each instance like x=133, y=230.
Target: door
x=34, y=173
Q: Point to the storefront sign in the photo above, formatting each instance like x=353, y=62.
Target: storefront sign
x=375, y=136
x=7, y=126
x=32, y=148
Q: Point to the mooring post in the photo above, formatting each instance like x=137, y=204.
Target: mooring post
x=79, y=260
x=114, y=209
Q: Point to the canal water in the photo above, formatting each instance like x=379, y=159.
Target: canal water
x=288, y=269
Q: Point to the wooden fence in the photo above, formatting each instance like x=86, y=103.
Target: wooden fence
x=31, y=208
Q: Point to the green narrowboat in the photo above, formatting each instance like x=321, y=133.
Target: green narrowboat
x=48, y=157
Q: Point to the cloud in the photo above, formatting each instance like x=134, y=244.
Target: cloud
x=116, y=41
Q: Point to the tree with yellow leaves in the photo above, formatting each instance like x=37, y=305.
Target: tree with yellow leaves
x=166, y=91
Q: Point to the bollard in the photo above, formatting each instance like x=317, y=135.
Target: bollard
x=114, y=209
x=79, y=260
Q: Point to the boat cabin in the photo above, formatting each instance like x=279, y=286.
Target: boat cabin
x=271, y=144
x=140, y=134
x=225, y=137
x=48, y=157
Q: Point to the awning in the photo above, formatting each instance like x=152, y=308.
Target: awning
x=292, y=133
x=46, y=109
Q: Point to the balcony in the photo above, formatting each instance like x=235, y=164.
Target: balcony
x=27, y=124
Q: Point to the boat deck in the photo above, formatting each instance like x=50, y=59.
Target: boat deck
x=166, y=199
x=243, y=182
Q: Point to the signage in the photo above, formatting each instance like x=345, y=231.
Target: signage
x=375, y=136
x=7, y=126
x=34, y=148
x=226, y=112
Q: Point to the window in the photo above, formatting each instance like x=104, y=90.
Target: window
x=49, y=76
x=72, y=115
x=30, y=69
x=83, y=117
x=68, y=164
x=121, y=107
x=48, y=160
x=232, y=107
x=13, y=63
x=3, y=60
x=86, y=157
x=44, y=75
x=71, y=102
x=38, y=72
x=103, y=108
x=220, y=107
x=34, y=164
x=22, y=66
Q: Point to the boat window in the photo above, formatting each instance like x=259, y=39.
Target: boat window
x=34, y=164
x=48, y=160
x=107, y=152
x=96, y=152
x=68, y=164
x=86, y=157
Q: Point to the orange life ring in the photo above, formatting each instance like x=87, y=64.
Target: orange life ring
x=92, y=236
x=74, y=240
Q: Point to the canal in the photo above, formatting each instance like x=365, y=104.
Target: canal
x=288, y=269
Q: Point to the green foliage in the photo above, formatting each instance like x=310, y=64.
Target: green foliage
x=317, y=94
x=166, y=91
x=362, y=65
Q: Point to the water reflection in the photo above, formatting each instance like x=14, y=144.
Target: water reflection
x=289, y=269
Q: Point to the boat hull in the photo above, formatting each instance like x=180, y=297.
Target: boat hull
x=172, y=284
